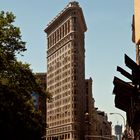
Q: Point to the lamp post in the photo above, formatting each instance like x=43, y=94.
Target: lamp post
x=123, y=122
x=121, y=116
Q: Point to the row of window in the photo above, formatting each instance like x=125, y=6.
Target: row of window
x=61, y=52
x=62, y=31
x=60, y=46
x=60, y=137
x=58, y=130
x=62, y=55
x=61, y=78
x=66, y=136
x=61, y=110
x=58, y=110
x=65, y=94
x=61, y=129
x=59, y=72
x=60, y=102
x=60, y=61
x=59, y=64
x=60, y=120
x=63, y=88
x=62, y=74
x=51, y=69
x=59, y=84
x=51, y=107
x=59, y=33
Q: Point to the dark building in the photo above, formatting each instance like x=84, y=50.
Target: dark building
x=127, y=94
x=40, y=101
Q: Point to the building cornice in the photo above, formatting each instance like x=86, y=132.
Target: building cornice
x=70, y=6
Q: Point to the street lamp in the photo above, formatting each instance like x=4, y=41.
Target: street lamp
x=121, y=116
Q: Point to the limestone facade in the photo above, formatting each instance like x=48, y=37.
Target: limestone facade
x=71, y=114
x=66, y=74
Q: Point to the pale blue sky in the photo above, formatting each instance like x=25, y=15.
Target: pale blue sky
x=107, y=39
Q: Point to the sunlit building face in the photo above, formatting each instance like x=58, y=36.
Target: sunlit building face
x=66, y=74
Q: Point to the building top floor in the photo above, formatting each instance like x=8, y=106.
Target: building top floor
x=66, y=11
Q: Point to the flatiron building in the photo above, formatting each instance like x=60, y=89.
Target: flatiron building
x=66, y=74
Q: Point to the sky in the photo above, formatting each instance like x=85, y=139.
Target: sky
x=107, y=39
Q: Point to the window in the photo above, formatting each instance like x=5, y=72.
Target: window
x=74, y=19
x=68, y=136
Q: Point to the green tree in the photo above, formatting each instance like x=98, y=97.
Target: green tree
x=19, y=120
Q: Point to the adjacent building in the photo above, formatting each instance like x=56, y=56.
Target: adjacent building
x=136, y=29
x=42, y=79
x=40, y=101
x=97, y=125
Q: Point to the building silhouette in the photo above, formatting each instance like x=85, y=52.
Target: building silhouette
x=127, y=93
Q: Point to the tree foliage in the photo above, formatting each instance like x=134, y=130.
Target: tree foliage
x=19, y=120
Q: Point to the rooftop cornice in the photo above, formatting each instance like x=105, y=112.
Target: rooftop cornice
x=70, y=5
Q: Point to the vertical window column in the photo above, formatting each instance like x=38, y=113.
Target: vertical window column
x=68, y=26
x=48, y=42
